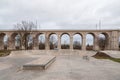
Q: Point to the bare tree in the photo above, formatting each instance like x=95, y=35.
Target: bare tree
x=24, y=29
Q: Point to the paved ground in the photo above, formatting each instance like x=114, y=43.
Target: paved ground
x=66, y=67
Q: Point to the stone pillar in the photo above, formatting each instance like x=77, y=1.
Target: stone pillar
x=114, y=40
x=11, y=43
x=1, y=43
x=34, y=46
x=84, y=42
x=96, y=46
x=47, y=42
x=59, y=41
x=108, y=47
x=71, y=42
x=21, y=43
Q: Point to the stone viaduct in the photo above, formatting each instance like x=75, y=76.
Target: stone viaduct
x=112, y=37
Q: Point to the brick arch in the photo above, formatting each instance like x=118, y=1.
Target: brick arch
x=106, y=34
x=65, y=33
x=112, y=35
x=93, y=34
x=90, y=47
x=66, y=46
x=28, y=47
x=106, y=37
x=79, y=34
x=79, y=47
x=51, y=34
x=41, y=46
x=2, y=35
x=13, y=35
x=12, y=40
x=38, y=34
x=55, y=45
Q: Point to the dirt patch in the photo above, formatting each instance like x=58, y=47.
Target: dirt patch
x=102, y=55
x=4, y=53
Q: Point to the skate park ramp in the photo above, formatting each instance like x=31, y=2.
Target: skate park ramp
x=40, y=61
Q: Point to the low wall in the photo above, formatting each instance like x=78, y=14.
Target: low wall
x=51, y=52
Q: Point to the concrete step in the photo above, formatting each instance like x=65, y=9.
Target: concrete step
x=40, y=64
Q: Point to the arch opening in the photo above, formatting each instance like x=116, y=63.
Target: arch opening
x=3, y=41
x=17, y=41
x=53, y=41
x=14, y=41
x=41, y=41
x=103, y=41
x=65, y=41
x=77, y=41
x=90, y=41
x=29, y=42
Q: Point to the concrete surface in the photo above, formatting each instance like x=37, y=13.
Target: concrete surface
x=66, y=67
x=40, y=64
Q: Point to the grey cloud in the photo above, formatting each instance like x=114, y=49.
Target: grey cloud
x=61, y=14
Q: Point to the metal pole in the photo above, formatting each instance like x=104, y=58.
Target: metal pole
x=100, y=24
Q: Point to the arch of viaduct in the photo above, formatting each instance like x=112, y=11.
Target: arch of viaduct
x=112, y=36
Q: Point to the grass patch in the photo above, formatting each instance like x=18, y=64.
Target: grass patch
x=115, y=59
x=4, y=53
x=101, y=55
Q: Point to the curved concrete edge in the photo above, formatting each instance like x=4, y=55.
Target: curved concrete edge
x=37, y=65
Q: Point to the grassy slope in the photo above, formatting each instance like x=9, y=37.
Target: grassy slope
x=101, y=55
x=4, y=52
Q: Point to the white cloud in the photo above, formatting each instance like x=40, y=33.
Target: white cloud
x=49, y=25
x=61, y=14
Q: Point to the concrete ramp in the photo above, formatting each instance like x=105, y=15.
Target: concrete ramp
x=39, y=64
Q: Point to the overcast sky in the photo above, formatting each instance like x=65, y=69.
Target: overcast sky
x=61, y=14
